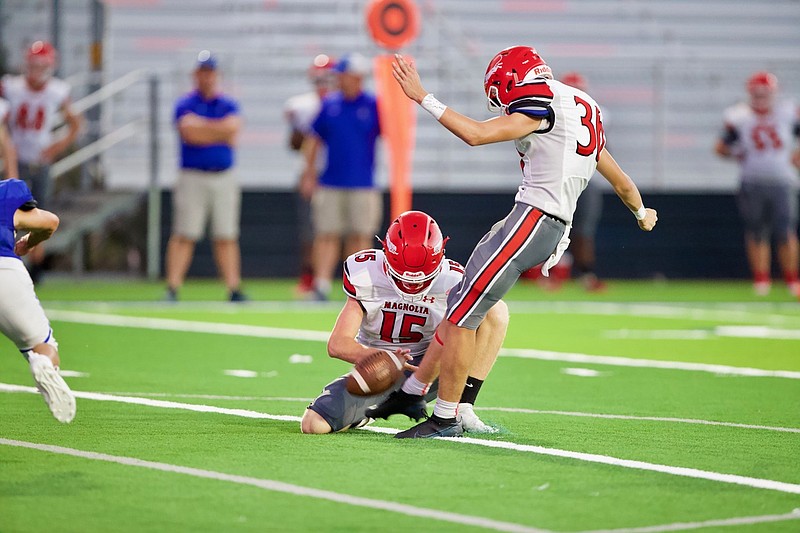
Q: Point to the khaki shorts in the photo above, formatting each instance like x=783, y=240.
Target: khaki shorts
x=340, y=211
x=199, y=196
x=21, y=316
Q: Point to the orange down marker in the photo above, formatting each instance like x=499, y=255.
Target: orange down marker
x=392, y=25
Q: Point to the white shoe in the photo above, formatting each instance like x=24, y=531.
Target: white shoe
x=794, y=289
x=762, y=288
x=54, y=389
x=470, y=421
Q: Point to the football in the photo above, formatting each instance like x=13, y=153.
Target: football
x=374, y=374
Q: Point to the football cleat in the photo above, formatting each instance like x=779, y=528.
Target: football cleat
x=54, y=389
x=470, y=421
x=433, y=427
x=400, y=403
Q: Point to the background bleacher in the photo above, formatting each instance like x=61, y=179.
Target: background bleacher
x=663, y=70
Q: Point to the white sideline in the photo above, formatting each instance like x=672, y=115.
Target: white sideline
x=279, y=486
x=479, y=408
x=643, y=418
x=588, y=457
x=547, y=355
x=307, y=335
x=682, y=526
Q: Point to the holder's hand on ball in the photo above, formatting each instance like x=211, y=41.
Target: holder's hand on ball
x=404, y=355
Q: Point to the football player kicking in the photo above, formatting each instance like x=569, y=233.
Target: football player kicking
x=21, y=317
x=558, y=134
x=396, y=298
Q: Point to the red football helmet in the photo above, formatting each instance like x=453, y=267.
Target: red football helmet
x=574, y=79
x=508, y=70
x=762, y=87
x=321, y=74
x=414, y=250
x=40, y=61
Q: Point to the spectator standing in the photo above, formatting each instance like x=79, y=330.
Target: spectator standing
x=300, y=111
x=208, y=124
x=346, y=206
x=36, y=98
x=762, y=136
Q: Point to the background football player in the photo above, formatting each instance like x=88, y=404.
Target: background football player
x=396, y=298
x=762, y=136
x=36, y=99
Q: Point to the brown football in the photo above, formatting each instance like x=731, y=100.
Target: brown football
x=374, y=374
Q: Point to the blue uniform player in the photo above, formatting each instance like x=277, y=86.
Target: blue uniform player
x=21, y=316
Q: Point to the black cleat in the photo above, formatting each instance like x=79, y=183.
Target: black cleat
x=400, y=403
x=433, y=427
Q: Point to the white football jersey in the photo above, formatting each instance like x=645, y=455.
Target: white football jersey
x=560, y=158
x=764, y=142
x=302, y=109
x=33, y=114
x=4, y=107
x=389, y=321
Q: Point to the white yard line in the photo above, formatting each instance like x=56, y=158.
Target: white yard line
x=478, y=408
x=746, y=332
x=588, y=457
x=194, y=326
x=683, y=311
x=548, y=355
x=306, y=335
x=682, y=526
x=214, y=397
x=643, y=418
x=279, y=486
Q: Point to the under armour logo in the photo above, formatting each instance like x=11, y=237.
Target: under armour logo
x=428, y=299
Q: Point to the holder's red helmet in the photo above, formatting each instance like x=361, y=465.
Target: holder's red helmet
x=506, y=72
x=414, y=250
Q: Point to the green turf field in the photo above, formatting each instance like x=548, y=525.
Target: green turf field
x=650, y=407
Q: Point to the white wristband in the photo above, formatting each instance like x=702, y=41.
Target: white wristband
x=640, y=213
x=433, y=106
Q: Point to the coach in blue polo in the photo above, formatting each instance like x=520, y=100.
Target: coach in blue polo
x=346, y=205
x=207, y=190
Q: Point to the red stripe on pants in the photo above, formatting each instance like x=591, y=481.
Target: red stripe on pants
x=508, y=251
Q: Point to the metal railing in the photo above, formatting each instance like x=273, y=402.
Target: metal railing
x=96, y=148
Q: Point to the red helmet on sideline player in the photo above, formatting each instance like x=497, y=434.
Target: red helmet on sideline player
x=40, y=61
x=507, y=72
x=321, y=74
x=414, y=250
x=574, y=79
x=762, y=87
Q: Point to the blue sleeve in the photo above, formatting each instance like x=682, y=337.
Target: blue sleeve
x=181, y=108
x=14, y=194
x=319, y=123
x=232, y=108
